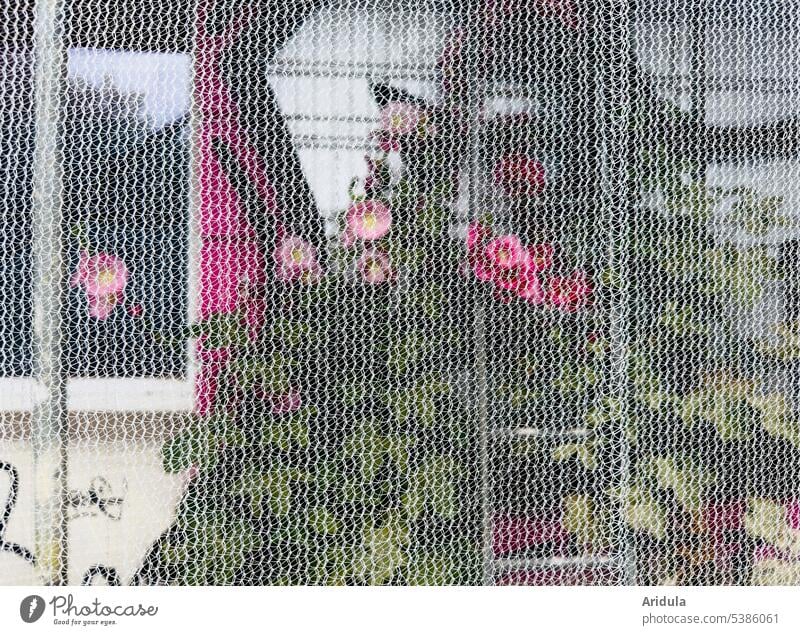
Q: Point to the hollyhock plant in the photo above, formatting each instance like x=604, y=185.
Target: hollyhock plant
x=481, y=268
x=368, y=220
x=513, y=279
x=522, y=281
x=531, y=289
x=519, y=175
x=507, y=263
x=296, y=259
x=477, y=235
x=540, y=257
x=505, y=252
x=101, y=274
x=401, y=118
x=374, y=267
x=103, y=277
x=570, y=293
x=101, y=306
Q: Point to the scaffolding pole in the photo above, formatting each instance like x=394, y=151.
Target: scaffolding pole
x=474, y=167
x=49, y=418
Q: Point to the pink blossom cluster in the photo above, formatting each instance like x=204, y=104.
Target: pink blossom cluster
x=519, y=175
x=519, y=271
x=103, y=277
x=366, y=222
x=296, y=260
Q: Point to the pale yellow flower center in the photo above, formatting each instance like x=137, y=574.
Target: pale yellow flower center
x=297, y=255
x=396, y=120
x=370, y=221
x=503, y=256
x=105, y=276
x=374, y=269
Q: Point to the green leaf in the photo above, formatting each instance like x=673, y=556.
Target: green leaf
x=274, y=486
x=428, y=299
x=382, y=550
x=431, y=569
x=417, y=402
x=196, y=447
x=272, y=373
x=433, y=485
x=323, y=521
x=291, y=333
x=644, y=513
x=758, y=215
x=222, y=330
x=285, y=430
x=777, y=417
x=689, y=482
x=564, y=452
x=369, y=449
x=400, y=448
x=580, y=519
x=433, y=219
x=774, y=572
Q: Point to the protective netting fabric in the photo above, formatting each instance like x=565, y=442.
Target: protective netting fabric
x=360, y=292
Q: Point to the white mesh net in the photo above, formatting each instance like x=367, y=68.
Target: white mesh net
x=431, y=292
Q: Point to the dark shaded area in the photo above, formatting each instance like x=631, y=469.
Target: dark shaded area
x=128, y=191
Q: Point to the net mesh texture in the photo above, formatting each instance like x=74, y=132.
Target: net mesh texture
x=412, y=293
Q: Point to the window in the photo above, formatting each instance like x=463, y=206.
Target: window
x=126, y=184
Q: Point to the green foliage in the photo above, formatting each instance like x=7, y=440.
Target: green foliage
x=191, y=447
x=346, y=485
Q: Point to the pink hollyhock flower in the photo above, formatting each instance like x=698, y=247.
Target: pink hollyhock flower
x=540, y=257
x=368, y=220
x=477, y=235
x=530, y=288
x=296, y=259
x=519, y=174
x=522, y=281
x=481, y=268
x=505, y=252
x=401, y=118
x=375, y=267
x=570, y=293
x=347, y=238
x=517, y=533
x=103, y=277
x=101, y=306
x=719, y=518
x=384, y=142
x=793, y=514
x=101, y=274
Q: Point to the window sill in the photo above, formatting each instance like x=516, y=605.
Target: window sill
x=103, y=394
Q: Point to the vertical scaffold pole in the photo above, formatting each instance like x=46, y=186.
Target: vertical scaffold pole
x=49, y=420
